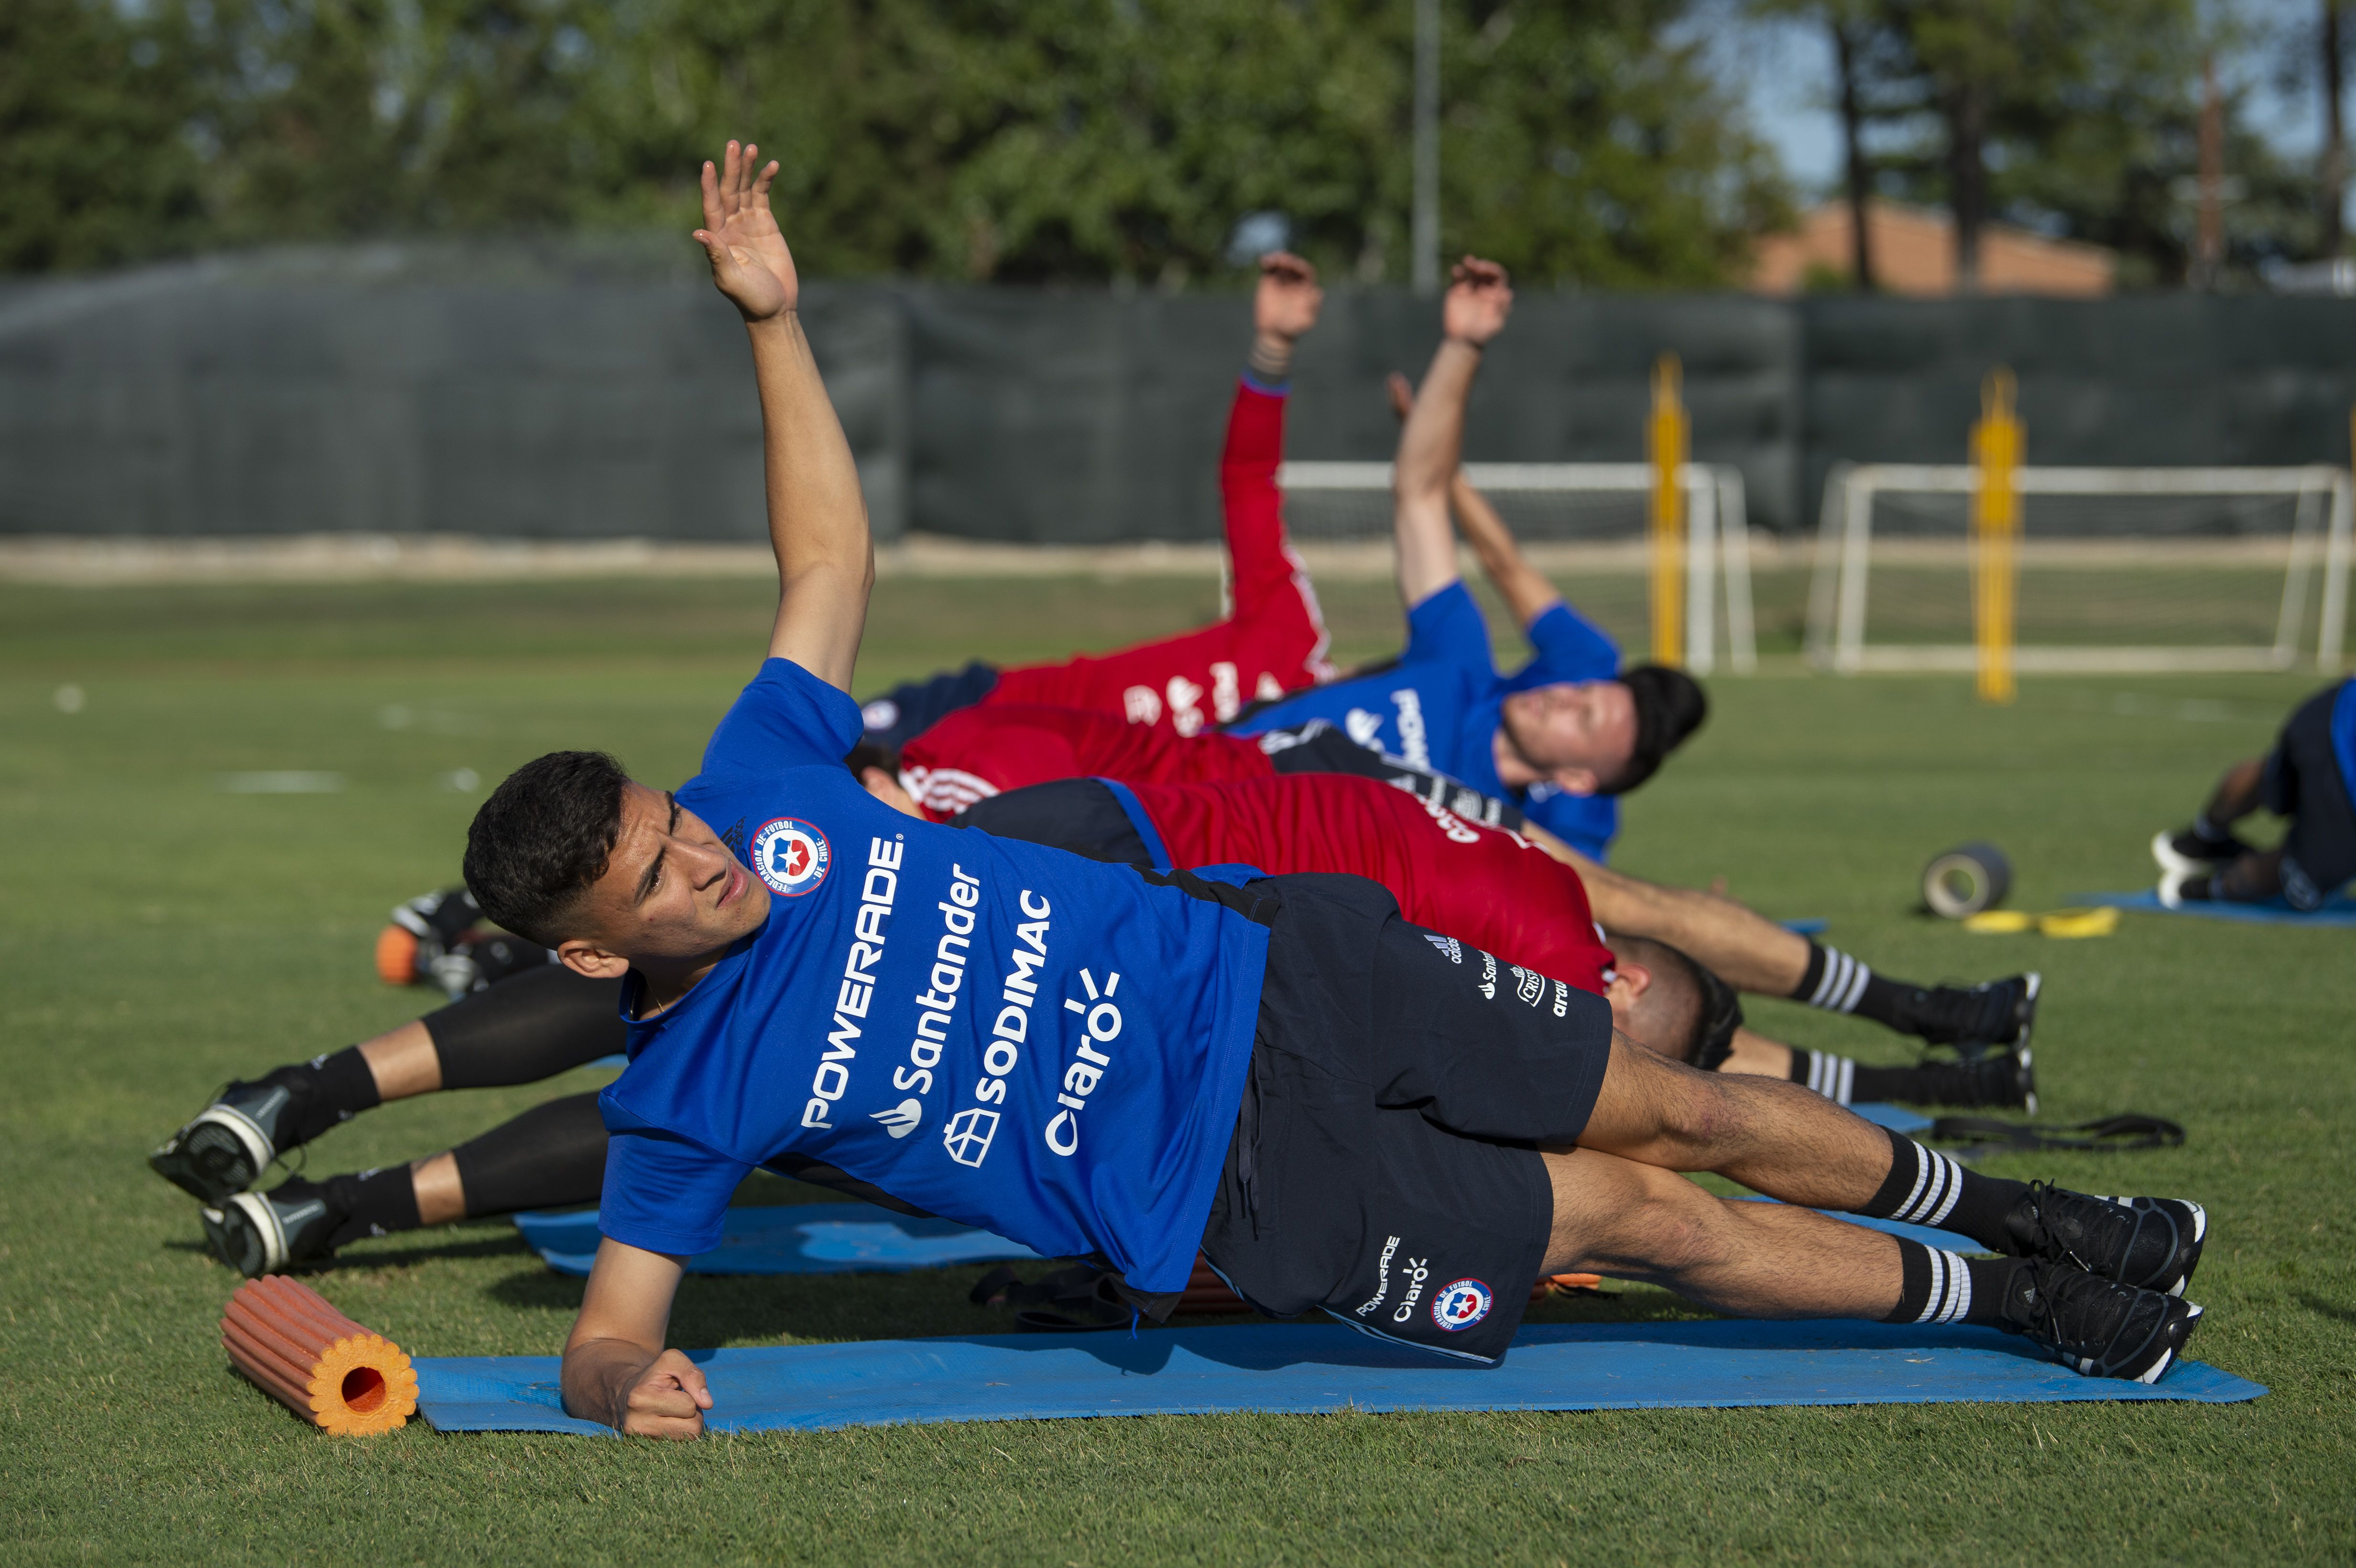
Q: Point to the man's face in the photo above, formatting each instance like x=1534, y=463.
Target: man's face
x=672, y=894
x=1579, y=733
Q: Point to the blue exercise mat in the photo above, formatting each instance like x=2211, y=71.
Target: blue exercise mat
x=1897, y=1118
x=1314, y=1369
x=1805, y=927
x=2339, y=912
x=798, y=1238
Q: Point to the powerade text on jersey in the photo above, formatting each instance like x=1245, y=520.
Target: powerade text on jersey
x=1438, y=706
x=995, y=1032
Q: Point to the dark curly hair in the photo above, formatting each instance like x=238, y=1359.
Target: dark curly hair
x=1669, y=708
x=544, y=836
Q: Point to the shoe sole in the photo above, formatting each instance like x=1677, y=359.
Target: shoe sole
x=244, y=1234
x=207, y=1175
x=2027, y=1079
x=2171, y=861
x=2025, y=1015
x=2192, y=1254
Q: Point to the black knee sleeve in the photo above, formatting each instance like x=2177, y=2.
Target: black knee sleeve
x=551, y=1157
x=524, y=1030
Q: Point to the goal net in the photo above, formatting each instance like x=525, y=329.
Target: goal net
x=2120, y=570
x=1589, y=517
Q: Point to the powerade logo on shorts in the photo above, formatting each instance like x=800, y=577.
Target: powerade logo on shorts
x=791, y=856
x=1462, y=1305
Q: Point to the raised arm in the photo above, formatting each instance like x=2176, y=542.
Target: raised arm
x=1284, y=307
x=1432, y=440
x=1525, y=589
x=615, y=1368
x=817, y=521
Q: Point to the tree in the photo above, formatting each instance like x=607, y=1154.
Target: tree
x=93, y=171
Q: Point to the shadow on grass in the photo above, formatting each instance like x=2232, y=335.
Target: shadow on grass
x=2334, y=1311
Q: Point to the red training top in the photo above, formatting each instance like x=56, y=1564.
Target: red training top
x=976, y=753
x=1482, y=885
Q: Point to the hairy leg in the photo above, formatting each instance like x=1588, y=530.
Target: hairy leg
x=1617, y=1217
x=1779, y=1139
x=404, y=1061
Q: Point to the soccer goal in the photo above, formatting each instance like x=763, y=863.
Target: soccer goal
x=1601, y=506
x=2119, y=570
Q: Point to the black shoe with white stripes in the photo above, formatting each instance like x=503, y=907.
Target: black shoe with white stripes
x=263, y=1232
x=2186, y=853
x=2151, y=1242
x=2097, y=1327
x=229, y=1144
x=1972, y=1019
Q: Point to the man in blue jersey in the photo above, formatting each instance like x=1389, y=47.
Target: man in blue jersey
x=2309, y=778
x=1344, y=1111
x=1562, y=736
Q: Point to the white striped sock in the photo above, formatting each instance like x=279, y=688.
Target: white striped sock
x=1842, y=985
x=1950, y=1289
x=1938, y=1182
x=1831, y=1075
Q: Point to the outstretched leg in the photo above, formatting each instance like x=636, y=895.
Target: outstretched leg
x=551, y=1157
x=542, y=1022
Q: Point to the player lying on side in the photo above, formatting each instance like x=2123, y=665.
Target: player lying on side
x=547, y=1020
x=1486, y=887
x=1272, y=640
x=2309, y=778
x=1105, y=1062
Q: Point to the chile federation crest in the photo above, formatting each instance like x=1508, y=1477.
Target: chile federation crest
x=791, y=856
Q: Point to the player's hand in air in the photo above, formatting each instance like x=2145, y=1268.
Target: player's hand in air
x=1478, y=301
x=1287, y=302
x=670, y=1396
x=1402, y=391
x=750, y=262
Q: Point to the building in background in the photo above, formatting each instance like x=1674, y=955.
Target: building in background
x=1913, y=250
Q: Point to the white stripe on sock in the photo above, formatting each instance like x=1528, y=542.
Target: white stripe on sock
x=1959, y=1289
x=1930, y=1313
x=1848, y=1077
x=1859, y=975
x=1937, y=1185
x=1835, y=977
x=1922, y=1173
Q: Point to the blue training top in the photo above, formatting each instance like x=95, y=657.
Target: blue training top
x=2343, y=736
x=1438, y=706
x=998, y=1032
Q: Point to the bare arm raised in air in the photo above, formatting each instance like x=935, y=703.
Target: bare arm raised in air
x=1432, y=440
x=817, y=520
x=1525, y=589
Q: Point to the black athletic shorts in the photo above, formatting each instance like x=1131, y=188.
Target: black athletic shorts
x=1385, y=1165
x=2303, y=783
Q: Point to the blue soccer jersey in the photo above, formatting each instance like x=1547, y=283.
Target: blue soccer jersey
x=996, y=1033
x=1438, y=706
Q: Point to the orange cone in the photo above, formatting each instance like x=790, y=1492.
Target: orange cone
x=315, y=1360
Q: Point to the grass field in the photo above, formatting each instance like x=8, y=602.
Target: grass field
x=159, y=936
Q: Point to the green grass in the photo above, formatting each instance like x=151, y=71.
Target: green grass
x=158, y=935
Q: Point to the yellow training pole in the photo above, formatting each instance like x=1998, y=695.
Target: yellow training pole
x=1996, y=528
x=1664, y=444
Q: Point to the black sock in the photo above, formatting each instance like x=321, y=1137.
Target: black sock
x=1926, y=1188
x=1840, y=984
x=1833, y=1077
x=551, y=1157
x=373, y=1203
x=1938, y=1286
x=323, y=1092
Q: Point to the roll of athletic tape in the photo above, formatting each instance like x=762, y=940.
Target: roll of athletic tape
x=1966, y=879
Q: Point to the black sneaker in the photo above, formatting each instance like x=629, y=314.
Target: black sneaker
x=2094, y=1327
x=2186, y=853
x=263, y=1232
x=1972, y=1019
x=2151, y=1242
x=2004, y=1078
x=231, y=1143
x=424, y=932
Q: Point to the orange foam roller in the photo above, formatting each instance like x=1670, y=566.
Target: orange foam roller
x=396, y=955
x=315, y=1362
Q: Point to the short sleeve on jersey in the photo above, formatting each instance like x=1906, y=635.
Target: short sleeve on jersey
x=1570, y=648
x=787, y=718
x=1447, y=627
x=664, y=1194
